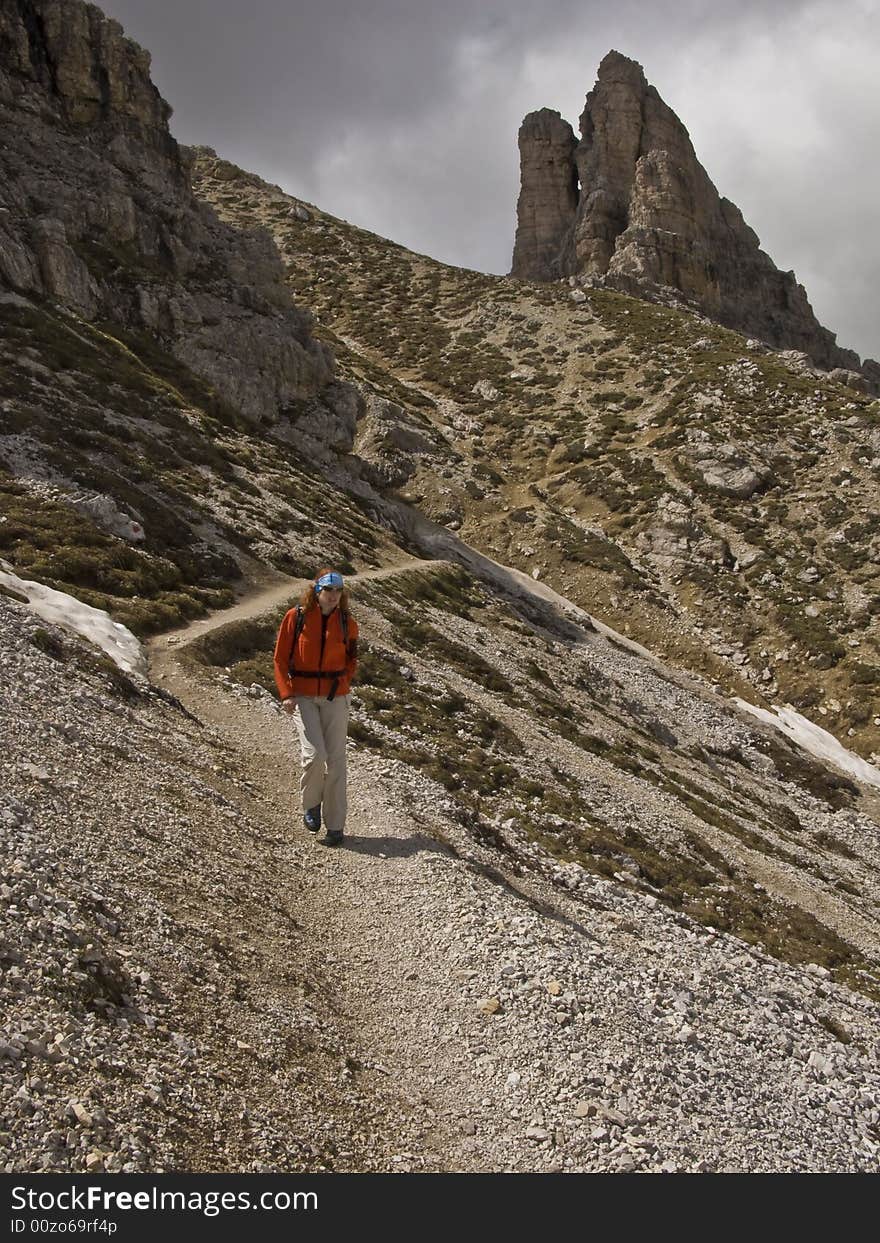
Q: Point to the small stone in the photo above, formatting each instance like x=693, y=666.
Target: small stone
x=820, y=1063
x=36, y=771
x=554, y=988
x=584, y=1109
x=79, y=1111
x=489, y=1005
x=537, y=1133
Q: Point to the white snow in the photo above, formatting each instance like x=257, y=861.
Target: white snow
x=815, y=740
x=92, y=624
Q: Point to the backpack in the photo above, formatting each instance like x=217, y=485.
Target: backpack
x=301, y=621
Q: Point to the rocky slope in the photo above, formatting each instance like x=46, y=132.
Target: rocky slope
x=142, y=341
x=162, y=1007
x=629, y=206
x=682, y=922
x=558, y=842
x=666, y=474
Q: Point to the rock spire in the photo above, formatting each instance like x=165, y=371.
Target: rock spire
x=631, y=207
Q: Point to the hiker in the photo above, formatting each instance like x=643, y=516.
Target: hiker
x=315, y=661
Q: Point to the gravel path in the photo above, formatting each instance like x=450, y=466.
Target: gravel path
x=356, y=904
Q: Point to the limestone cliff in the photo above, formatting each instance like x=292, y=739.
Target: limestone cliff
x=631, y=207
x=97, y=214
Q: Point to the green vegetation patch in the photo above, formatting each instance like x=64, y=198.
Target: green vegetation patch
x=417, y=636
x=53, y=544
x=251, y=639
x=449, y=588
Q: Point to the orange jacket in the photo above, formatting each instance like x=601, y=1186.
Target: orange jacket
x=320, y=649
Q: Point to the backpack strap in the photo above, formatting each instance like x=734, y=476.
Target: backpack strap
x=300, y=622
x=297, y=631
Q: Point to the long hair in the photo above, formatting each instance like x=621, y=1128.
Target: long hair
x=309, y=598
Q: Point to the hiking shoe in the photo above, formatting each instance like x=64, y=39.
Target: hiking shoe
x=312, y=819
x=333, y=838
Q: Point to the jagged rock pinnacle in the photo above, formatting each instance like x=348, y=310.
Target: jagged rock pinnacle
x=630, y=206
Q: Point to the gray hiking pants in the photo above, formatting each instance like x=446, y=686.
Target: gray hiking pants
x=322, y=726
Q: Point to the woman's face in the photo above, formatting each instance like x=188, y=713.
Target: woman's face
x=328, y=598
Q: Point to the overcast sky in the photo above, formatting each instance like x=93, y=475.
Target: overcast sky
x=401, y=116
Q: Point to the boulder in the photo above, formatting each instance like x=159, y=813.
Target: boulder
x=676, y=536
x=852, y=379
x=104, y=513
x=733, y=477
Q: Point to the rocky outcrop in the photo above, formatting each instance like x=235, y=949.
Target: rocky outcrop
x=631, y=207
x=549, y=195
x=676, y=538
x=729, y=469
x=72, y=58
x=97, y=214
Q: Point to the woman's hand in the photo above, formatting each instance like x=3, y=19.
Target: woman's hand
x=289, y=706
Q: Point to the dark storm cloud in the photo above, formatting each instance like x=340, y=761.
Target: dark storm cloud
x=402, y=115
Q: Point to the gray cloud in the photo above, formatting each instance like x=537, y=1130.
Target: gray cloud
x=402, y=115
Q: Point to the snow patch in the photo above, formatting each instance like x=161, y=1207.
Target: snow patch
x=92, y=624
x=816, y=740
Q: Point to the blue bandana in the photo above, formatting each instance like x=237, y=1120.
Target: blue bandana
x=329, y=580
